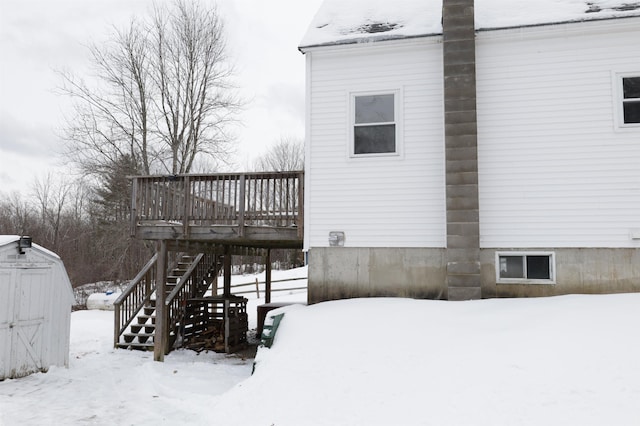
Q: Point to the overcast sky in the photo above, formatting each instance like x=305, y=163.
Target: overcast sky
x=40, y=36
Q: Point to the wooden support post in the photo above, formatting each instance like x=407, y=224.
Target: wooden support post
x=242, y=200
x=134, y=207
x=160, y=337
x=186, y=214
x=227, y=327
x=267, y=278
x=227, y=271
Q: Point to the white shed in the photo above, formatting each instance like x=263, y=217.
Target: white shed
x=35, y=308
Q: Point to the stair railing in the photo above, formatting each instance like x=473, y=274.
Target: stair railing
x=137, y=295
x=193, y=283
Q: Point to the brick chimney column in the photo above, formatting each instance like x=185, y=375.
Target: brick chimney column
x=463, y=232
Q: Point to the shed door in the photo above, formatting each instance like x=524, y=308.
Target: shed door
x=26, y=320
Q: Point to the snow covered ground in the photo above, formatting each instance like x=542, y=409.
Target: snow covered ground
x=570, y=360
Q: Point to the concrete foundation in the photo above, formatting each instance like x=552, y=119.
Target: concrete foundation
x=578, y=270
x=344, y=272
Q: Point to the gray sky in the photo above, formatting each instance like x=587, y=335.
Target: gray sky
x=40, y=36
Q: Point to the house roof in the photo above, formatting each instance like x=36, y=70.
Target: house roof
x=356, y=21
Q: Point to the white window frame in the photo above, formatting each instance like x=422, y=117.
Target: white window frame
x=619, y=100
x=397, y=95
x=552, y=267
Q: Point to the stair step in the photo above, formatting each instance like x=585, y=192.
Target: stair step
x=148, y=328
x=143, y=318
x=136, y=346
x=144, y=338
x=128, y=337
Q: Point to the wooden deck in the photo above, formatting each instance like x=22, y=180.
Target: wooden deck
x=202, y=220
x=240, y=209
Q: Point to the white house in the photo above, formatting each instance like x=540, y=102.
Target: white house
x=459, y=150
x=35, y=308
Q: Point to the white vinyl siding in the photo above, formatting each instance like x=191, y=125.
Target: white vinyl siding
x=378, y=200
x=553, y=169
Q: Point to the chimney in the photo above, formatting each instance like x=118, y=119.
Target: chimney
x=463, y=231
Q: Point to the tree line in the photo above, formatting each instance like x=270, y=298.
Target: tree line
x=68, y=219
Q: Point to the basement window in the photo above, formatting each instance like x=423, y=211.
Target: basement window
x=374, y=124
x=525, y=267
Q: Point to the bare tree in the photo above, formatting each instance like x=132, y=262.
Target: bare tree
x=192, y=75
x=162, y=95
x=159, y=101
x=16, y=215
x=52, y=197
x=112, y=118
x=284, y=156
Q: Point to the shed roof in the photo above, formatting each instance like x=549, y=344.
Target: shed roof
x=355, y=21
x=8, y=239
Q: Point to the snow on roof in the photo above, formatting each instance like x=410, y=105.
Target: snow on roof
x=8, y=239
x=354, y=21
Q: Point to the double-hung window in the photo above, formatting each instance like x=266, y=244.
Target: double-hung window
x=525, y=267
x=631, y=100
x=374, y=123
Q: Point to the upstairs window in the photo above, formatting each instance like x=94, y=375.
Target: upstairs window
x=631, y=100
x=525, y=268
x=374, y=124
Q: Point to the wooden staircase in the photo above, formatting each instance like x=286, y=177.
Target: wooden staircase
x=191, y=277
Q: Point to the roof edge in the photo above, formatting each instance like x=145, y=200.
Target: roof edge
x=366, y=40
x=549, y=24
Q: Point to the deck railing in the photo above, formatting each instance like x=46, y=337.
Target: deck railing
x=239, y=199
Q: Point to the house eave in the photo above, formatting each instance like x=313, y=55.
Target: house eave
x=365, y=40
x=552, y=24
x=383, y=38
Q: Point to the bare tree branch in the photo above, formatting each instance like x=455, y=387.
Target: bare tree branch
x=161, y=94
x=284, y=156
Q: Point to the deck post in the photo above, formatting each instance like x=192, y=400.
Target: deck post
x=227, y=271
x=227, y=327
x=242, y=205
x=267, y=278
x=187, y=205
x=160, y=337
x=134, y=206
